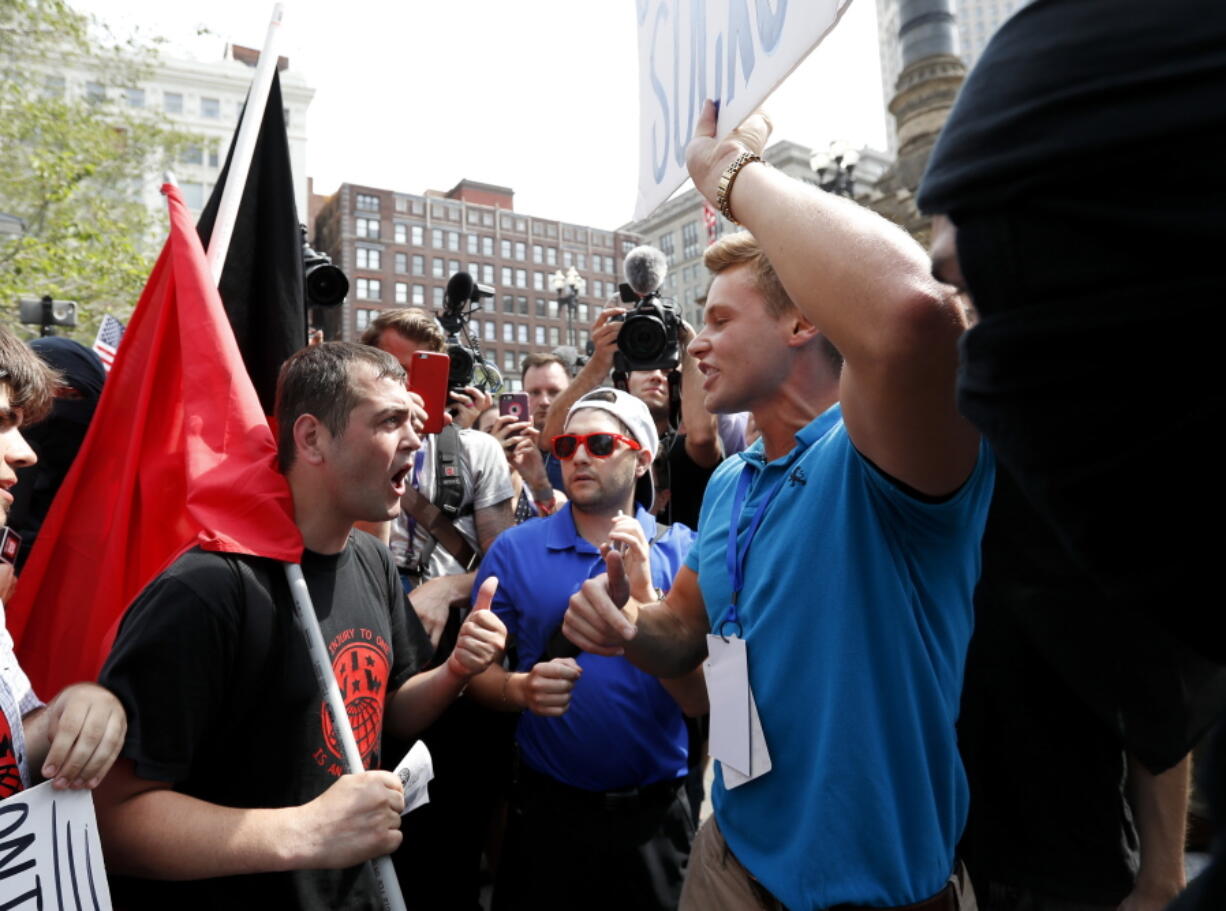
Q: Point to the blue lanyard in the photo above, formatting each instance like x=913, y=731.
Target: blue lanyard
x=736, y=555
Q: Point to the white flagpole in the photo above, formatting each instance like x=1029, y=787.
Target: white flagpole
x=304, y=610
x=244, y=149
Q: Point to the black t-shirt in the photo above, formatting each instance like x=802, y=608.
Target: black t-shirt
x=223, y=704
x=685, y=481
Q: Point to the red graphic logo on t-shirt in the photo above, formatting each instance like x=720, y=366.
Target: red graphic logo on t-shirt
x=360, y=662
x=10, y=774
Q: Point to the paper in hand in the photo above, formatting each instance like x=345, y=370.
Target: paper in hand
x=415, y=772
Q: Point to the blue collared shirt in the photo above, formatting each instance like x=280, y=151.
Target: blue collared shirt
x=622, y=729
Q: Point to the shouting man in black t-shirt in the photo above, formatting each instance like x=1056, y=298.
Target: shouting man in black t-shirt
x=231, y=776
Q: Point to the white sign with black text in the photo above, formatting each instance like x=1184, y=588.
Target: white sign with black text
x=50, y=856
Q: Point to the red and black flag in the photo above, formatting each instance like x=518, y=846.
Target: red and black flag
x=262, y=283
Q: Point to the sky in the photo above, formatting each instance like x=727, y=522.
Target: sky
x=539, y=95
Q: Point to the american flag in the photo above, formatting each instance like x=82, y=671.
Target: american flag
x=711, y=218
x=107, y=342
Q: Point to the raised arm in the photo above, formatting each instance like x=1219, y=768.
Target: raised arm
x=593, y=374
x=867, y=286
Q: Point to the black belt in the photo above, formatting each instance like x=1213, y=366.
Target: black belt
x=624, y=800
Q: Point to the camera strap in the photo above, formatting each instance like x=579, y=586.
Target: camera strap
x=440, y=528
x=436, y=515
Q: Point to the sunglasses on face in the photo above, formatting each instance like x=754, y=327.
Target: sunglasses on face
x=598, y=445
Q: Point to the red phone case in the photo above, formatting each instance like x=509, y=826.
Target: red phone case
x=428, y=378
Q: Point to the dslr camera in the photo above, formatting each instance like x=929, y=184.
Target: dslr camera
x=650, y=336
x=468, y=366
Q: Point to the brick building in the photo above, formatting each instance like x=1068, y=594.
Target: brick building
x=399, y=250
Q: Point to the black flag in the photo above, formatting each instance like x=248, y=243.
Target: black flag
x=262, y=282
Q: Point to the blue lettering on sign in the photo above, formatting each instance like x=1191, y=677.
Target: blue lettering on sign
x=770, y=24
x=659, y=162
x=671, y=132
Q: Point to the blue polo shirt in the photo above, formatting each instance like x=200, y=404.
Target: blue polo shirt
x=856, y=612
x=622, y=729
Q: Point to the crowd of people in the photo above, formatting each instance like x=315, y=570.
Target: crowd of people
x=902, y=540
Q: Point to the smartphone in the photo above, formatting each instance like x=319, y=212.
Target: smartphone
x=10, y=543
x=515, y=404
x=428, y=378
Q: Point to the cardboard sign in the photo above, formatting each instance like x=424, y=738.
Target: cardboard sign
x=733, y=51
x=50, y=856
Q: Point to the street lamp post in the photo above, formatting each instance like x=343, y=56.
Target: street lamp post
x=569, y=287
x=836, y=168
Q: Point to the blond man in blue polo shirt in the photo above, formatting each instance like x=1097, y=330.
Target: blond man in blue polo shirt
x=831, y=580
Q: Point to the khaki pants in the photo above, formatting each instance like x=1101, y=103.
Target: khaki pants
x=716, y=881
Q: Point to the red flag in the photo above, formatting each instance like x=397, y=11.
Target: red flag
x=179, y=453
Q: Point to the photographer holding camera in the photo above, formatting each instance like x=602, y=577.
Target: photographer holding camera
x=645, y=349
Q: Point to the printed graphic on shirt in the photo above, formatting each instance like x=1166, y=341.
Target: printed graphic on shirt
x=10, y=772
x=361, y=661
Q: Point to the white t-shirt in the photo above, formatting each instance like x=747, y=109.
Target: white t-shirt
x=17, y=699
x=487, y=482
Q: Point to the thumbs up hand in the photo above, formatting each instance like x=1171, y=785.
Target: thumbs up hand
x=482, y=637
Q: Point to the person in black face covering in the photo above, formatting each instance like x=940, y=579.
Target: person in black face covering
x=56, y=439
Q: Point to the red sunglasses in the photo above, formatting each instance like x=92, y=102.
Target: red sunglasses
x=598, y=445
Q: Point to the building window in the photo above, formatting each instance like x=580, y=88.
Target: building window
x=551, y=256
x=419, y=295
x=172, y=102
x=401, y=204
x=438, y=267
x=193, y=194
x=508, y=360
x=210, y=108
x=417, y=235
x=487, y=273
x=508, y=303
x=666, y=245
x=689, y=240
x=95, y=92
x=522, y=332
x=135, y=97
x=473, y=244
x=453, y=266
x=436, y=238
x=402, y=292
x=368, y=228
x=508, y=332
x=487, y=246
x=581, y=261
x=369, y=289
x=369, y=259
x=400, y=233
x=553, y=308
x=364, y=317
x=521, y=278
x=507, y=276
x=553, y=336
x=419, y=264
x=504, y=249
x=521, y=250
x=538, y=281
x=213, y=157
x=540, y=307
x=539, y=335
x=521, y=305
x=192, y=154
x=402, y=262
x=582, y=314
x=491, y=331
x=538, y=253
x=437, y=295
x=453, y=241
x=568, y=258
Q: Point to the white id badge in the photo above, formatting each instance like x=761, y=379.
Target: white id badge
x=415, y=772
x=736, y=737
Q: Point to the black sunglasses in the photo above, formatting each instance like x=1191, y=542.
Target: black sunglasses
x=598, y=445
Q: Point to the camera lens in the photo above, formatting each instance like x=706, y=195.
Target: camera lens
x=642, y=338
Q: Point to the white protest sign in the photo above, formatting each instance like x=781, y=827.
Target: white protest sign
x=733, y=51
x=49, y=851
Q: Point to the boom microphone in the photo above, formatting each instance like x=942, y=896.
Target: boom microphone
x=459, y=292
x=646, y=268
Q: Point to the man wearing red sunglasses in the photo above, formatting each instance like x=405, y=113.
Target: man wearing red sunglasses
x=602, y=745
